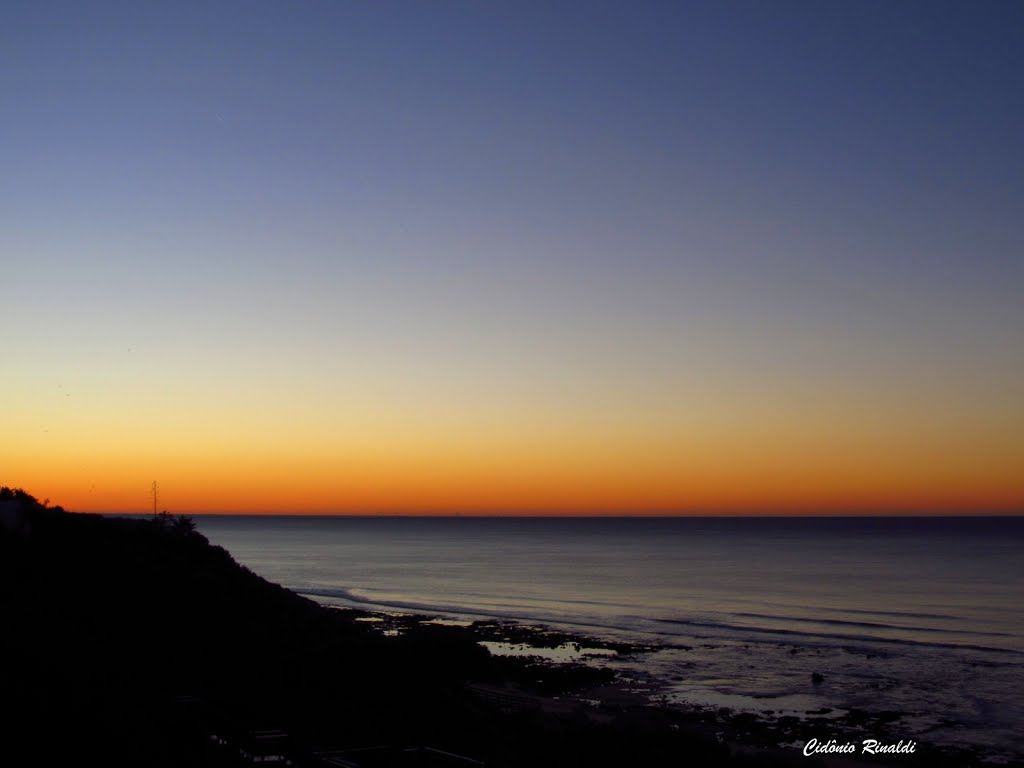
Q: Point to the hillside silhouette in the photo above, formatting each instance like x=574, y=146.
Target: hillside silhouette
x=137, y=642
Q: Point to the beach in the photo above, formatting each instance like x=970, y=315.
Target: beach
x=141, y=642
x=568, y=677
x=839, y=628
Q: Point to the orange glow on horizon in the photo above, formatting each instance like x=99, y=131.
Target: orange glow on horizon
x=735, y=452
x=461, y=484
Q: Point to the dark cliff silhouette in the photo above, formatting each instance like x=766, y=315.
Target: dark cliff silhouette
x=136, y=642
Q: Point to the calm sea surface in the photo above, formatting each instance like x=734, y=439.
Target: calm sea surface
x=924, y=616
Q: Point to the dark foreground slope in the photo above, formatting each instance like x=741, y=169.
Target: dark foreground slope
x=138, y=643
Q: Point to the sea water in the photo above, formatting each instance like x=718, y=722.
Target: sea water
x=922, y=616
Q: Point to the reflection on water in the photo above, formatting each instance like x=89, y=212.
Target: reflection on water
x=924, y=616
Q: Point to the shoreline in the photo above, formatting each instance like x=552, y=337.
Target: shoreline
x=139, y=642
x=573, y=681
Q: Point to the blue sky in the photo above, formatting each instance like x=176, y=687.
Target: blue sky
x=477, y=214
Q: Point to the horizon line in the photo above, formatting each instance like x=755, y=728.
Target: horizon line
x=585, y=516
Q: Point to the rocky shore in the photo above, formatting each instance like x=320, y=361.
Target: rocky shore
x=557, y=672
x=136, y=642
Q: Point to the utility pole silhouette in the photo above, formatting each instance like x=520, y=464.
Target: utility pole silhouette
x=155, y=493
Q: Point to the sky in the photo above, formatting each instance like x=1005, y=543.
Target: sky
x=513, y=257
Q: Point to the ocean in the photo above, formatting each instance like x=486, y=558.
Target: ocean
x=921, y=616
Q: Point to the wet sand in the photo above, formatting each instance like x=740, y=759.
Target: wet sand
x=568, y=678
